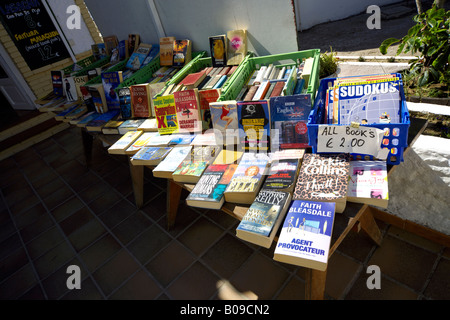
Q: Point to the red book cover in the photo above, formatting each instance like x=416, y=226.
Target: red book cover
x=188, y=110
x=140, y=101
x=205, y=97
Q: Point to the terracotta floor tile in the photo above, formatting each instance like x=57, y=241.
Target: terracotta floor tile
x=139, y=287
x=341, y=271
x=404, y=262
x=46, y=241
x=227, y=255
x=13, y=262
x=439, y=286
x=67, y=208
x=197, y=283
x=252, y=276
x=18, y=283
x=389, y=290
x=149, y=243
x=168, y=264
x=131, y=227
x=53, y=259
x=294, y=290
x=117, y=213
x=99, y=251
x=114, y=272
x=199, y=236
x=88, y=291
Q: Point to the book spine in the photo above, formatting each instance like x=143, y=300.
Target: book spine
x=251, y=92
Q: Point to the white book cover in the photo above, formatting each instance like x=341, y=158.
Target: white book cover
x=159, y=140
x=173, y=159
x=306, y=234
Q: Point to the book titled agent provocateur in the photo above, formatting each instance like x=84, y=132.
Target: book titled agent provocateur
x=306, y=234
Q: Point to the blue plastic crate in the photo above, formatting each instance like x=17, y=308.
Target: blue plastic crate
x=395, y=134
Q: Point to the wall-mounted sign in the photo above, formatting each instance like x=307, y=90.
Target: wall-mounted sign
x=33, y=32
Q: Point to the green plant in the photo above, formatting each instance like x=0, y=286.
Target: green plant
x=430, y=38
x=361, y=59
x=328, y=64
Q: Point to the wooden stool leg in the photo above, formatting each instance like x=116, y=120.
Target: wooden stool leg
x=315, y=284
x=173, y=200
x=87, y=146
x=368, y=224
x=137, y=179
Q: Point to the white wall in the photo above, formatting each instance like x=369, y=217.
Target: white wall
x=313, y=12
x=270, y=24
x=80, y=40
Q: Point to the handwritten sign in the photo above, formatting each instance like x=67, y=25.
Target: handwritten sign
x=33, y=32
x=348, y=139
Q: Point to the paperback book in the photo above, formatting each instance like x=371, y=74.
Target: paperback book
x=368, y=183
x=124, y=142
x=236, y=46
x=254, y=125
x=262, y=220
x=166, y=51
x=110, y=81
x=306, y=235
x=192, y=167
x=323, y=178
x=130, y=125
x=137, y=58
x=206, y=97
x=248, y=178
x=224, y=118
x=218, y=50
x=171, y=162
x=289, y=118
x=98, y=123
x=209, y=190
x=182, y=52
x=140, y=142
x=188, y=111
x=150, y=156
x=166, y=114
x=140, y=101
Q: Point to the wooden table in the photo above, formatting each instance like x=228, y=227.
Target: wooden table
x=356, y=217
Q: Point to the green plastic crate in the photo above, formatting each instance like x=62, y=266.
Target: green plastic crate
x=234, y=85
x=83, y=63
x=193, y=66
x=98, y=79
x=96, y=64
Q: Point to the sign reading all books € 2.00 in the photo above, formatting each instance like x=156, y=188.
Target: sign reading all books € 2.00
x=33, y=32
x=348, y=139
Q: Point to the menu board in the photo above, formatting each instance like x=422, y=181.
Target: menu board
x=33, y=32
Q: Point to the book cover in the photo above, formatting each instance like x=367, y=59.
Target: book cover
x=111, y=42
x=98, y=97
x=79, y=82
x=124, y=142
x=282, y=175
x=166, y=114
x=289, y=118
x=159, y=140
x=254, y=125
x=149, y=125
x=70, y=89
x=130, y=125
x=150, y=156
x=112, y=127
x=205, y=97
x=75, y=113
x=368, y=183
x=134, y=40
x=228, y=157
x=182, y=52
x=140, y=101
x=82, y=122
x=247, y=179
x=188, y=110
x=262, y=220
x=208, y=192
x=367, y=101
x=192, y=80
x=123, y=50
x=140, y=142
x=171, y=162
x=224, y=118
x=124, y=95
x=98, y=123
x=181, y=139
x=137, y=57
x=323, y=178
x=218, y=50
x=110, y=81
x=166, y=51
x=306, y=235
x=236, y=46
x=206, y=138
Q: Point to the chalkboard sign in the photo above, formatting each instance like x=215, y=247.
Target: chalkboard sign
x=34, y=33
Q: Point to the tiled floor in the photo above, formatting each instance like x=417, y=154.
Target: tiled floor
x=54, y=212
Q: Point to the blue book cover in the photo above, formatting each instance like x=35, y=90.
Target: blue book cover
x=306, y=234
x=263, y=213
x=125, y=102
x=151, y=154
x=369, y=101
x=289, y=118
x=110, y=81
x=254, y=125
